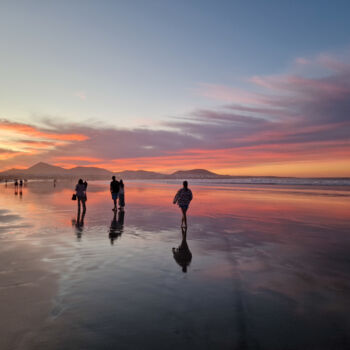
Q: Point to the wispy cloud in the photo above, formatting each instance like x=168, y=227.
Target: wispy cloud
x=81, y=94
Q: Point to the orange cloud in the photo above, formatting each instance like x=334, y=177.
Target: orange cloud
x=78, y=158
x=31, y=131
x=8, y=155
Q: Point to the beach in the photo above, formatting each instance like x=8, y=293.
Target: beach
x=266, y=267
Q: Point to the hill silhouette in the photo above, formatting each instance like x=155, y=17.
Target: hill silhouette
x=43, y=170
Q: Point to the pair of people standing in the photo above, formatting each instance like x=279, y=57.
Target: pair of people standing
x=117, y=192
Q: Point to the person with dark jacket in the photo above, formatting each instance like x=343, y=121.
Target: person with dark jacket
x=80, y=190
x=183, y=198
x=114, y=188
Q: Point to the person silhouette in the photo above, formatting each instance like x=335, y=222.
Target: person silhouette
x=183, y=198
x=121, y=194
x=80, y=189
x=114, y=188
x=182, y=254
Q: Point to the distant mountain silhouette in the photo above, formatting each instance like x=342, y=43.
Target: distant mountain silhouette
x=83, y=171
x=140, y=174
x=195, y=173
x=46, y=169
x=43, y=171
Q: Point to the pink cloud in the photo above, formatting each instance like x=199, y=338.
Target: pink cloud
x=229, y=94
x=81, y=95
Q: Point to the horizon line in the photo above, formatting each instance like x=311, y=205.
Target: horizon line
x=161, y=173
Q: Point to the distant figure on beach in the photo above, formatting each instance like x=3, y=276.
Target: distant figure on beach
x=54, y=182
x=21, y=183
x=6, y=183
x=16, y=183
x=114, y=188
x=121, y=194
x=182, y=254
x=183, y=198
x=80, y=189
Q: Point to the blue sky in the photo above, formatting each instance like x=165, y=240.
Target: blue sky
x=132, y=64
x=138, y=61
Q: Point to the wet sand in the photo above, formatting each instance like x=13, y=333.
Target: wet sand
x=268, y=268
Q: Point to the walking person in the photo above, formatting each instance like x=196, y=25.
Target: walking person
x=80, y=189
x=114, y=188
x=183, y=198
x=121, y=194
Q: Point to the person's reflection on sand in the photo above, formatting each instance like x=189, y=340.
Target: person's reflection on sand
x=78, y=223
x=116, y=228
x=182, y=254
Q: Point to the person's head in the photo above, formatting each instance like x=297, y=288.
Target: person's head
x=113, y=178
x=80, y=182
x=185, y=184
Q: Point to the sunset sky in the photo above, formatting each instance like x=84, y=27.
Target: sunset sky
x=236, y=87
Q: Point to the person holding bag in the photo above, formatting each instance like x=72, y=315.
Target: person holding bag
x=80, y=190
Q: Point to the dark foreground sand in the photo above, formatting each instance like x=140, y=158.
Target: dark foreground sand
x=266, y=268
x=27, y=286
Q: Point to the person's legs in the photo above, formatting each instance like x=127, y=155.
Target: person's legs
x=184, y=218
x=121, y=201
x=114, y=197
x=84, y=211
x=78, y=213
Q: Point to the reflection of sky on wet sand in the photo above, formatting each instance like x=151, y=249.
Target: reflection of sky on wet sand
x=269, y=268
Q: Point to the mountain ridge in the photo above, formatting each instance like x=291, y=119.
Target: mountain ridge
x=44, y=170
